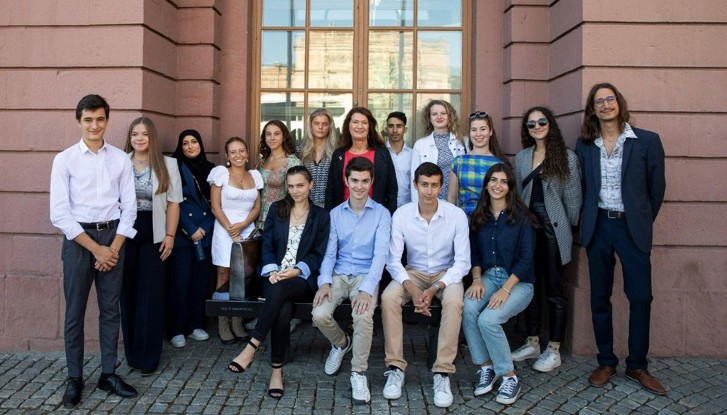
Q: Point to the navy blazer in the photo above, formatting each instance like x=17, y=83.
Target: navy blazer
x=385, y=187
x=194, y=212
x=643, y=184
x=313, y=242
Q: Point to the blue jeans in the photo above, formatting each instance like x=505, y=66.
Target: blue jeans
x=483, y=326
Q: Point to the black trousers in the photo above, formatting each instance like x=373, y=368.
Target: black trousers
x=188, y=279
x=142, y=297
x=277, y=311
x=78, y=276
x=550, y=277
x=612, y=236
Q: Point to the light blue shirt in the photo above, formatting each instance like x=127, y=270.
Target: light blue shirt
x=357, y=244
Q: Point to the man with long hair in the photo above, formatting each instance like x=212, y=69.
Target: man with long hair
x=623, y=189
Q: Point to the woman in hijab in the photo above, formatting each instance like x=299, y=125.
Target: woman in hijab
x=191, y=259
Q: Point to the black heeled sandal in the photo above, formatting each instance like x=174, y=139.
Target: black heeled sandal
x=235, y=367
x=276, y=393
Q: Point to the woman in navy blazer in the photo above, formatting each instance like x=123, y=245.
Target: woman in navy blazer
x=294, y=243
x=190, y=273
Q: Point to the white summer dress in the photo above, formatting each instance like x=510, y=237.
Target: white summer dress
x=236, y=204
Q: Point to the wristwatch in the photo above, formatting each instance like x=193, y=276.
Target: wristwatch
x=437, y=288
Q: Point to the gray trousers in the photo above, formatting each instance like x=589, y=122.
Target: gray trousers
x=78, y=276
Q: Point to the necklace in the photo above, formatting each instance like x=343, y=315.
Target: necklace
x=272, y=157
x=140, y=161
x=298, y=218
x=240, y=177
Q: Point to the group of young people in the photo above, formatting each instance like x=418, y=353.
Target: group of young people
x=335, y=213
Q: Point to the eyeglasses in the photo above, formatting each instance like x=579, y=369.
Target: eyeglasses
x=600, y=101
x=478, y=114
x=541, y=122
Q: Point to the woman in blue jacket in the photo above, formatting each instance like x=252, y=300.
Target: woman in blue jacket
x=191, y=259
x=502, y=243
x=295, y=238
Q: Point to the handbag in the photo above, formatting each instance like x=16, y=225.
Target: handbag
x=245, y=259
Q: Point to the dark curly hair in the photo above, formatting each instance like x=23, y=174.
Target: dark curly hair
x=288, y=142
x=555, y=164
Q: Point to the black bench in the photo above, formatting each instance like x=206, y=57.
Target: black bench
x=250, y=307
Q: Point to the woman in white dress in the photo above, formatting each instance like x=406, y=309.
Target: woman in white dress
x=235, y=200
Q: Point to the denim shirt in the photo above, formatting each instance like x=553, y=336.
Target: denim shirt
x=503, y=245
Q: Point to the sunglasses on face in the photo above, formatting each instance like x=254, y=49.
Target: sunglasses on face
x=541, y=122
x=478, y=114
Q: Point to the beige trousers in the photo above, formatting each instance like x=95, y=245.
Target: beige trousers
x=363, y=324
x=392, y=300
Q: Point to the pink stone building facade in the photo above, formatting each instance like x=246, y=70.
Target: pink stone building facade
x=189, y=64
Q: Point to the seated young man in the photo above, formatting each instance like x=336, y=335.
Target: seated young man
x=435, y=233
x=352, y=267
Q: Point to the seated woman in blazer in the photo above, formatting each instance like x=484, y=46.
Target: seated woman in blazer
x=294, y=243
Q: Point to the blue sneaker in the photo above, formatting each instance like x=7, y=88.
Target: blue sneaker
x=508, y=392
x=486, y=381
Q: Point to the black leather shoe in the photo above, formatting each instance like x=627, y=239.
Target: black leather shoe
x=114, y=384
x=72, y=397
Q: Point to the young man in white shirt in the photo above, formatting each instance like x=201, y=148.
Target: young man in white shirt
x=400, y=155
x=93, y=201
x=436, y=235
x=355, y=257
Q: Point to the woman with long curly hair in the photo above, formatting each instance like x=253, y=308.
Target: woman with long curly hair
x=440, y=145
x=277, y=155
x=549, y=180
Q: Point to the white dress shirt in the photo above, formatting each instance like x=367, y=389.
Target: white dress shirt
x=92, y=187
x=438, y=245
x=402, y=165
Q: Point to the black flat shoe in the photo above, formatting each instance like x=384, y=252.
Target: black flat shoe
x=72, y=396
x=235, y=367
x=113, y=384
x=276, y=393
x=148, y=372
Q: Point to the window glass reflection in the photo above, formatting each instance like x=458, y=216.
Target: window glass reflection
x=331, y=13
x=284, y=106
x=391, y=13
x=391, y=59
x=283, y=59
x=330, y=60
x=438, y=13
x=439, y=60
x=283, y=13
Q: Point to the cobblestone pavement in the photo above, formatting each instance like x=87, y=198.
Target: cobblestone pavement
x=195, y=380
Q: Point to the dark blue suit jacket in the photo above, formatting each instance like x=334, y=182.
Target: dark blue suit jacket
x=194, y=212
x=642, y=185
x=313, y=242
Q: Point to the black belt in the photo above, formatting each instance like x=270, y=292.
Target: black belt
x=611, y=214
x=100, y=226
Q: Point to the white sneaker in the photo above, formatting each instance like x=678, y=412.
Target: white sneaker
x=199, y=335
x=360, y=389
x=442, y=393
x=335, y=357
x=526, y=351
x=178, y=341
x=549, y=360
x=294, y=322
x=394, y=383
x=250, y=325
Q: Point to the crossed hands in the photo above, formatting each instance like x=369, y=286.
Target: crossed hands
x=106, y=258
x=277, y=276
x=421, y=299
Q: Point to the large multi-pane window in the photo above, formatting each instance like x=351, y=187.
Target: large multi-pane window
x=387, y=55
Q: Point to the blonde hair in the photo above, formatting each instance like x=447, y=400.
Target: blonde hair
x=156, y=156
x=308, y=149
x=452, y=118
